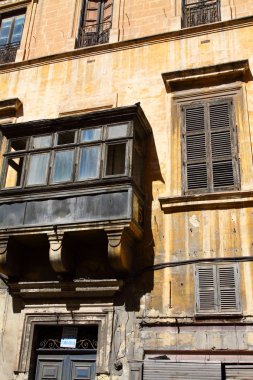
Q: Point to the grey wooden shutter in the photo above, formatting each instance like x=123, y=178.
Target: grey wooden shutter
x=223, y=145
x=165, y=370
x=239, y=372
x=194, y=148
x=209, y=147
x=228, y=278
x=206, y=289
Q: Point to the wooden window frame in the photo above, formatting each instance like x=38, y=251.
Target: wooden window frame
x=103, y=141
x=206, y=103
x=13, y=14
x=217, y=289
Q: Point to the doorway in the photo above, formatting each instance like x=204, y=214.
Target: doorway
x=65, y=352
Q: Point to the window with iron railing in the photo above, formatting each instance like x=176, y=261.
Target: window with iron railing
x=96, y=22
x=10, y=36
x=198, y=12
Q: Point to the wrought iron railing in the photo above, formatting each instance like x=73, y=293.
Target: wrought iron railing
x=94, y=34
x=8, y=52
x=201, y=12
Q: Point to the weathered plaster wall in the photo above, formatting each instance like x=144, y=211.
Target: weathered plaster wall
x=125, y=76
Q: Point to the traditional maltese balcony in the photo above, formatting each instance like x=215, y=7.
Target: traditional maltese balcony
x=71, y=199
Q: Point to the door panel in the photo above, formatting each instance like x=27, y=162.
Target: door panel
x=49, y=368
x=66, y=367
x=82, y=371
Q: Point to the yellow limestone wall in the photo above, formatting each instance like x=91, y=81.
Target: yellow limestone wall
x=122, y=76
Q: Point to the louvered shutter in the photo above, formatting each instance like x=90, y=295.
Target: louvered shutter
x=228, y=288
x=217, y=289
x=206, y=289
x=97, y=12
x=239, y=372
x=223, y=145
x=209, y=148
x=165, y=370
x=195, y=152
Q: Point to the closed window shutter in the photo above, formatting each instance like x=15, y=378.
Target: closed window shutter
x=206, y=289
x=228, y=288
x=222, y=145
x=165, y=370
x=217, y=289
x=195, y=141
x=209, y=149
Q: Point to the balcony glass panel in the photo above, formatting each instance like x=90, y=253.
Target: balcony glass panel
x=93, y=134
x=117, y=131
x=89, y=162
x=38, y=169
x=41, y=142
x=63, y=166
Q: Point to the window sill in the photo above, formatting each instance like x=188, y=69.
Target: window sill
x=208, y=201
x=232, y=315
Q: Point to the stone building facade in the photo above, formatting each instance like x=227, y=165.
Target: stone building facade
x=126, y=201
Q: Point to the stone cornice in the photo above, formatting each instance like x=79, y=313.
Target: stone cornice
x=9, y=5
x=91, y=51
x=221, y=200
x=72, y=289
x=236, y=70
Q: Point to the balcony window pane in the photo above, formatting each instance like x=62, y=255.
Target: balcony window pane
x=116, y=159
x=14, y=172
x=41, y=142
x=38, y=169
x=93, y=134
x=64, y=138
x=89, y=162
x=63, y=166
x=117, y=131
x=5, y=30
x=18, y=28
x=18, y=144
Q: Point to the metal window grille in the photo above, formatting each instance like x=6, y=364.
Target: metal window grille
x=200, y=12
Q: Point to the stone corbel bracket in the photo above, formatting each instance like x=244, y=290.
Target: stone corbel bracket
x=58, y=254
x=8, y=258
x=121, y=243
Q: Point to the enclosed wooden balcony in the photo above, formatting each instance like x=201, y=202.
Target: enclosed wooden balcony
x=72, y=195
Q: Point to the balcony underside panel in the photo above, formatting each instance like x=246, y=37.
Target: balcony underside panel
x=81, y=209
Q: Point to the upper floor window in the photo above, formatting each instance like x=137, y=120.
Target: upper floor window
x=96, y=22
x=217, y=289
x=197, y=12
x=68, y=156
x=209, y=147
x=10, y=36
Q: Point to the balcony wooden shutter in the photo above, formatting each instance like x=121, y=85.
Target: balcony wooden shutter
x=165, y=370
x=209, y=148
x=228, y=288
x=206, y=289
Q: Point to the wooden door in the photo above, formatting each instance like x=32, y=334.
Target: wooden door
x=65, y=367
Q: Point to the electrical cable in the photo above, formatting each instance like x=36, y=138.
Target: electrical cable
x=172, y=264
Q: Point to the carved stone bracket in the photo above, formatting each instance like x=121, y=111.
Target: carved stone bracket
x=120, y=249
x=58, y=255
x=8, y=261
